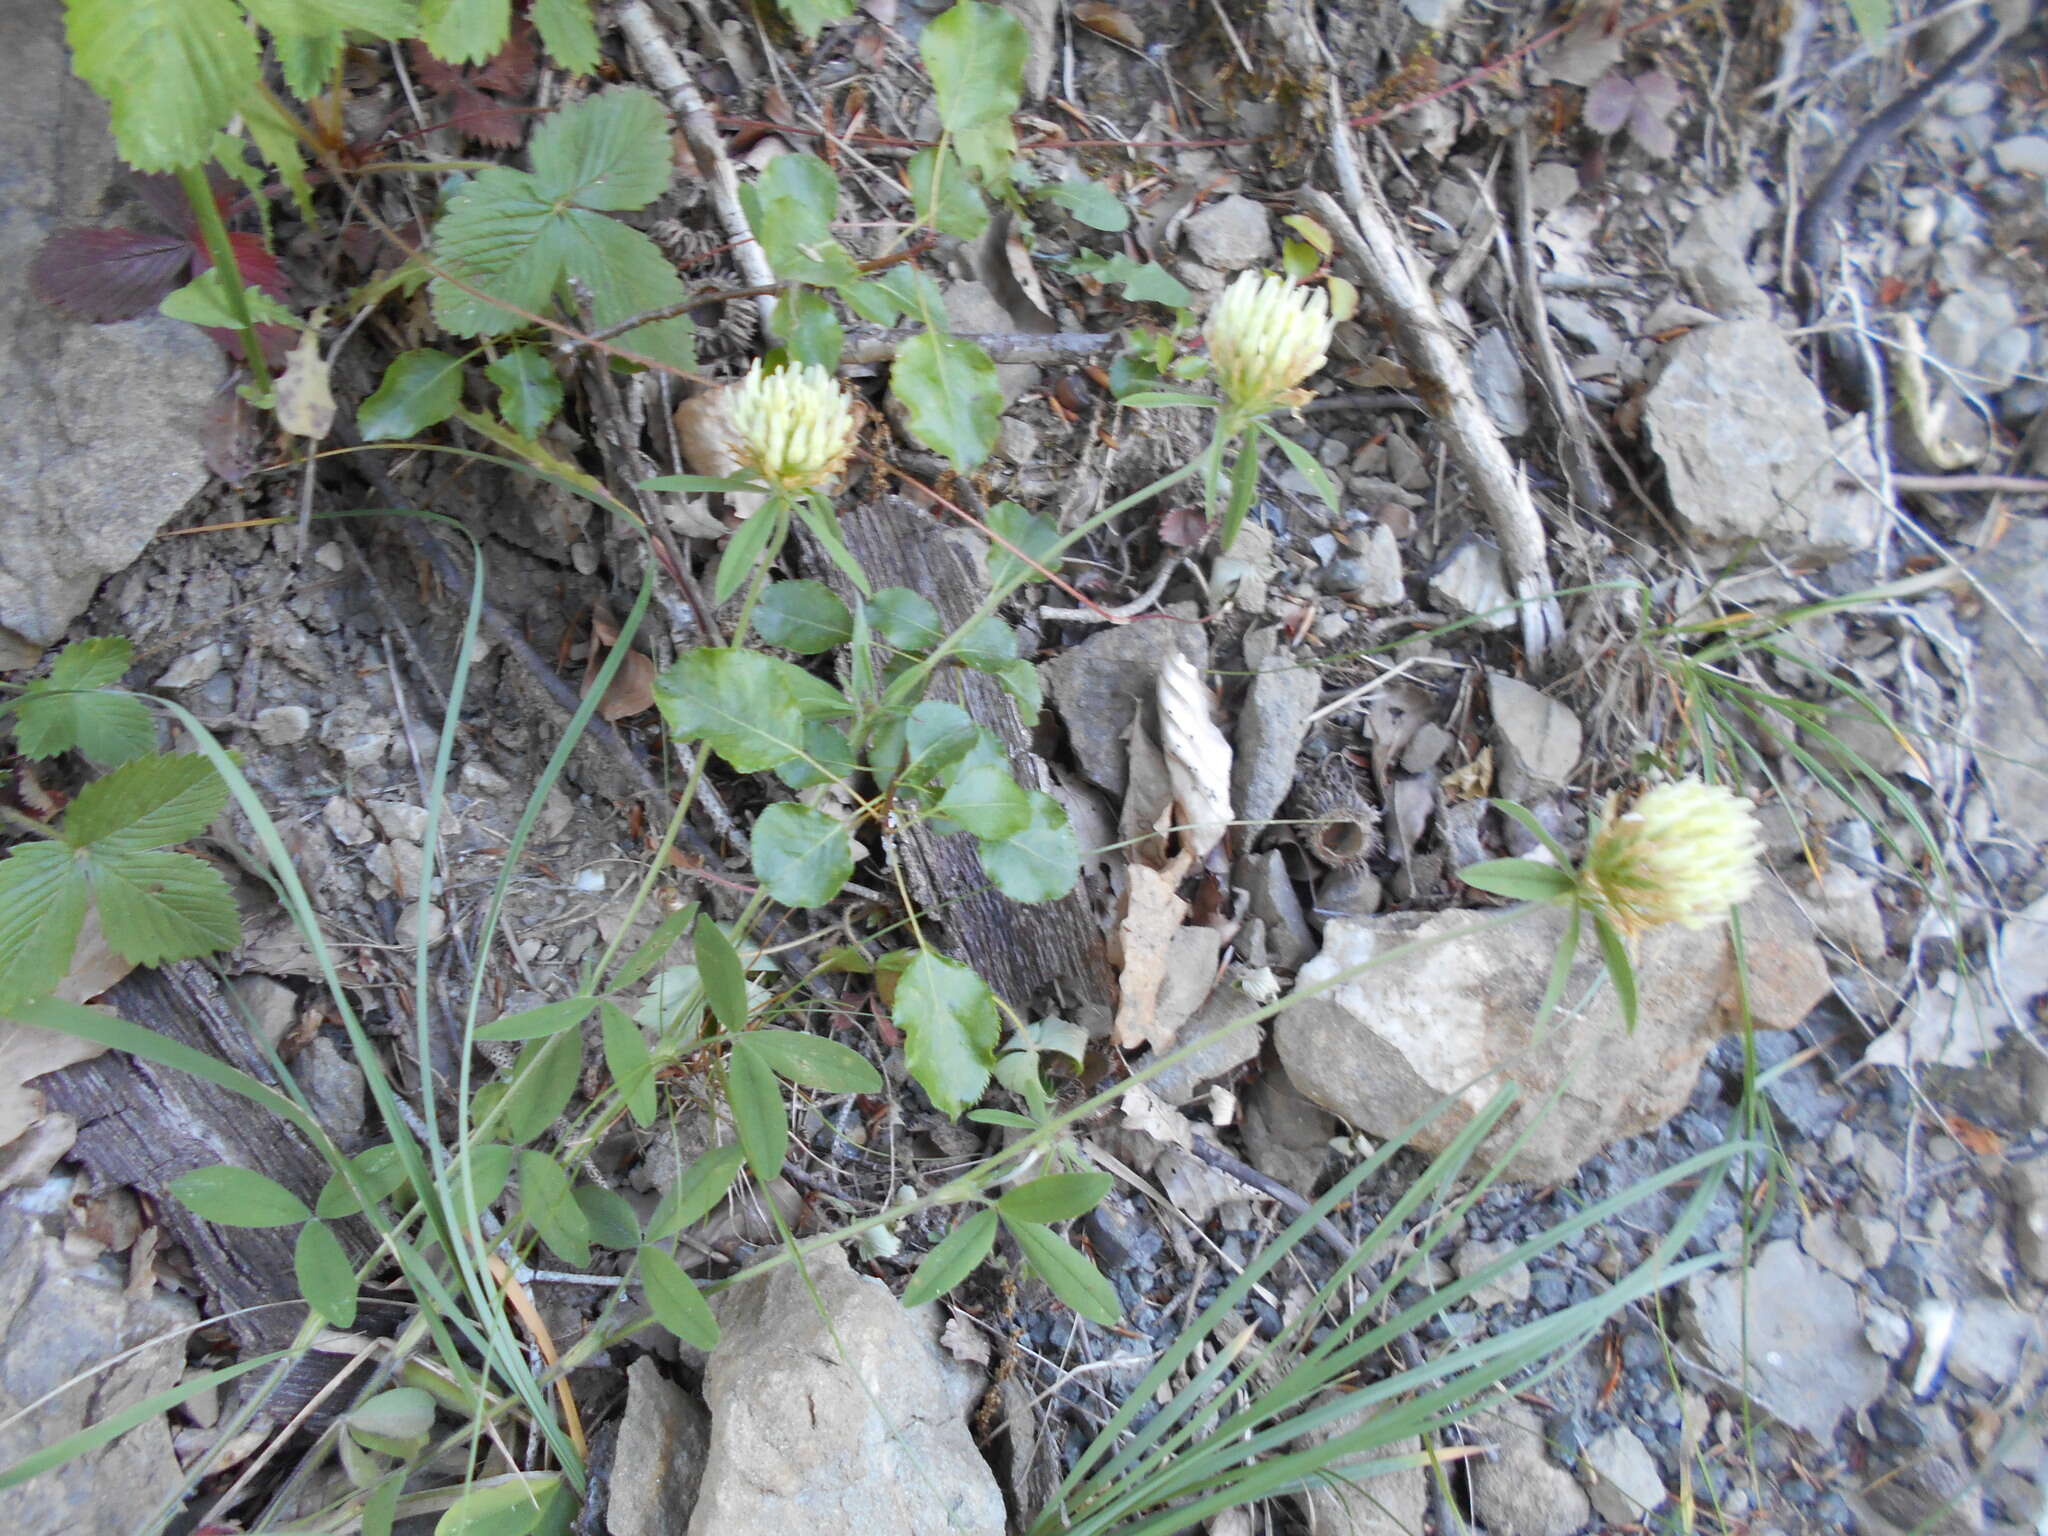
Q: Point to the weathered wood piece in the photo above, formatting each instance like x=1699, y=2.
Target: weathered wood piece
x=143, y=1125
x=1022, y=950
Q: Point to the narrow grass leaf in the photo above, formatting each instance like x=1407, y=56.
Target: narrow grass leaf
x=1518, y=879
x=1620, y=970
x=539, y=1023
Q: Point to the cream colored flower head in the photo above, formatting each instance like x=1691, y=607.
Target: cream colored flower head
x=1266, y=335
x=793, y=427
x=1684, y=853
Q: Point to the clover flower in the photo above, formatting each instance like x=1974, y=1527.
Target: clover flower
x=793, y=427
x=1684, y=853
x=1266, y=335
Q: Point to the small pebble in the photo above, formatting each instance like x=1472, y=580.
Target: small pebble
x=2026, y=155
x=283, y=724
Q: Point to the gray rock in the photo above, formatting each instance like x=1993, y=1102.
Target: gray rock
x=1376, y=569
x=1265, y=881
x=1990, y=1339
x=1826, y=1245
x=1271, y=725
x=1186, y=1079
x=1622, y=1476
x=1743, y=436
x=1472, y=581
x=1807, y=1362
x=2024, y=155
x=67, y=1318
x=1508, y=1288
x=1359, y=1504
x=2012, y=679
x=1231, y=234
x=807, y=1439
x=1501, y=385
x=283, y=724
x=1538, y=739
x=1285, y=1136
x=1965, y=327
x=1712, y=256
x=2027, y=1183
x=1380, y=1050
x=1433, y=13
x=664, y=1439
x=99, y=442
x=193, y=668
x=1519, y=1490
x=1099, y=686
x=334, y=1086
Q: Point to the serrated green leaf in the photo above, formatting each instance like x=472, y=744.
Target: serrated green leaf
x=984, y=797
x=529, y=394
x=955, y=1258
x=790, y=207
x=949, y=391
x=512, y=1507
x=1055, y=1197
x=308, y=64
x=146, y=804
x=569, y=36
x=100, y=662
x=810, y=330
x=109, y=728
x=811, y=17
x=539, y=1023
x=1090, y=202
x=755, y=1100
x=987, y=644
x=378, y=1170
x=1067, y=1272
x=943, y=197
x=802, y=616
x=326, y=1278
x=387, y=19
x=699, y=1187
x=1517, y=879
x=1041, y=862
x=975, y=55
x=420, y=389
x=814, y=1061
x=627, y=1058
x=171, y=70
x=675, y=1301
x=948, y=1018
x=1020, y=543
x=206, y=301
x=723, y=977
x=548, y=1202
x=157, y=905
x=803, y=856
x=749, y=707
x=610, y=151
x=904, y=619
x=237, y=1197
x=543, y=1082
x=465, y=31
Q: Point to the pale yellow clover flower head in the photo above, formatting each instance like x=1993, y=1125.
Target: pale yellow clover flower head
x=1266, y=335
x=793, y=427
x=1684, y=853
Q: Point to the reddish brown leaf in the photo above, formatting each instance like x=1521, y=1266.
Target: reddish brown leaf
x=1110, y=22
x=105, y=275
x=1183, y=526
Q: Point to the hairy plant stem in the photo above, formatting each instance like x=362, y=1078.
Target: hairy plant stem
x=214, y=234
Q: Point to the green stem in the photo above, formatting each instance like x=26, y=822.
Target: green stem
x=214, y=233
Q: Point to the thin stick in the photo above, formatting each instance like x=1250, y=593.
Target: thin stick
x=651, y=45
x=1375, y=246
x=1001, y=346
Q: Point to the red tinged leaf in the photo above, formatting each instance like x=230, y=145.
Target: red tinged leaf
x=107, y=275
x=482, y=103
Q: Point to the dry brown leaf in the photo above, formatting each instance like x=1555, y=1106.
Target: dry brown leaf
x=1021, y=267
x=305, y=402
x=1153, y=913
x=705, y=440
x=1145, y=1111
x=1197, y=756
x=632, y=686
x=1474, y=781
x=1109, y=22
x=963, y=1341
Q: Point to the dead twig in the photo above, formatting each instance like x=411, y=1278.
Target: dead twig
x=1001, y=346
x=650, y=44
x=1370, y=239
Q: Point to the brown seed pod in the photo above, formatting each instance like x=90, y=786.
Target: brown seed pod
x=1343, y=828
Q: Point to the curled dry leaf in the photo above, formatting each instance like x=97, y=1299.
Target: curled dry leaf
x=963, y=1341
x=1110, y=22
x=1145, y=1111
x=1153, y=913
x=305, y=402
x=1197, y=756
x=632, y=686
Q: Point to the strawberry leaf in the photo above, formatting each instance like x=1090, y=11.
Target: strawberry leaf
x=108, y=275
